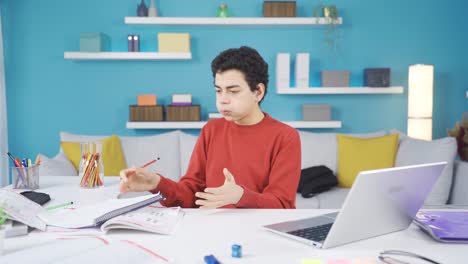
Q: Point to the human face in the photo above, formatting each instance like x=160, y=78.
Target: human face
x=234, y=99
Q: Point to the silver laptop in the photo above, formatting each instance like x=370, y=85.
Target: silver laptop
x=379, y=202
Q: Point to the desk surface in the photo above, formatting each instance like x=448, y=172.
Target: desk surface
x=205, y=232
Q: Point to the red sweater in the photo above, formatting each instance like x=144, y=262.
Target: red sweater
x=264, y=158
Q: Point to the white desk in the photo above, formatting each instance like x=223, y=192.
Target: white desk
x=205, y=232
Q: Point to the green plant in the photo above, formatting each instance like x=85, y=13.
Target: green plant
x=460, y=133
x=329, y=13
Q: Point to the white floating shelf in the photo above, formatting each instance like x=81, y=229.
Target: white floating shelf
x=127, y=56
x=198, y=125
x=341, y=90
x=230, y=21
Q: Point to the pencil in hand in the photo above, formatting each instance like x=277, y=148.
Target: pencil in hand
x=149, y=163
x=143, y=166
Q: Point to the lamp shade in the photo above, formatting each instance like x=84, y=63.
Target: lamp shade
x=420, y=97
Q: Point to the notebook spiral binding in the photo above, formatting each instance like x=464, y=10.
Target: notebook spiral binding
x=100, y=220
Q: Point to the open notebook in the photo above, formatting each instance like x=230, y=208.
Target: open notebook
x=155, y=219
x=23, y=210
x=96, y=214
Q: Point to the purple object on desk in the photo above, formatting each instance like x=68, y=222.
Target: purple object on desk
x=444, y=226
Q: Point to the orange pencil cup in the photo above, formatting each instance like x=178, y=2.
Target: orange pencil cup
x=25, y=177
x=91, y=169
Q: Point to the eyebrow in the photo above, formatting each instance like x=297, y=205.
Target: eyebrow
x=228, y=87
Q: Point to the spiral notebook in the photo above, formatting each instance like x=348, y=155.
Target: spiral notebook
x=96, y=214
x=444, y=226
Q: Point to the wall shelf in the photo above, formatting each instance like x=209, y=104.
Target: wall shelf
x=341, y=90
x=127, y=56
x=230, y=21
x=200, y=124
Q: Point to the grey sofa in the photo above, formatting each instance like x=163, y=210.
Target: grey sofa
x=175, y=148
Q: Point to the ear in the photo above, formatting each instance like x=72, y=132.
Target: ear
x=260, y=92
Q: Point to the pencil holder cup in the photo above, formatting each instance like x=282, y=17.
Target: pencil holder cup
x=91, y=169
x=25, y=177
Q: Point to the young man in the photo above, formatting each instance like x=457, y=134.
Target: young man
x=246, y=159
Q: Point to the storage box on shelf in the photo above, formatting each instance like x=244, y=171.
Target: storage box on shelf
x=183, y=113
x=146, y=113
x=94, y=42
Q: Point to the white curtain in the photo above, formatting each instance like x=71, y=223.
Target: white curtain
x=4, y=169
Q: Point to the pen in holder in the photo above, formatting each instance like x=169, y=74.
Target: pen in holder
x=25, y=177
x=91, y=168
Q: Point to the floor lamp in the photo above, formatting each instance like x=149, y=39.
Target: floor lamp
x=420, y=94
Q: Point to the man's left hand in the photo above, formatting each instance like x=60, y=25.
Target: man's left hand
x=228, y=193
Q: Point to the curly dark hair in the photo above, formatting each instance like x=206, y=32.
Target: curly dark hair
x=248, y=61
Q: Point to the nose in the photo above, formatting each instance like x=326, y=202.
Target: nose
x=223, y=98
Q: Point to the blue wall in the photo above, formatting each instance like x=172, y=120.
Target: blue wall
x=47, y=94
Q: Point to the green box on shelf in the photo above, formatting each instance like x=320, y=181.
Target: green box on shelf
x=94, y=42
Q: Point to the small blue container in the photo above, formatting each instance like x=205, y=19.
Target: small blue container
x=236, y=251
x=94, y=42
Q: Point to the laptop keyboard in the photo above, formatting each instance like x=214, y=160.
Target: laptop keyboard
x=316, y=233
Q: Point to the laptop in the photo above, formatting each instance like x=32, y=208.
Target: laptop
x=379, y=202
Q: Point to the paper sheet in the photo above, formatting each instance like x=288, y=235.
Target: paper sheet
x=21, y=209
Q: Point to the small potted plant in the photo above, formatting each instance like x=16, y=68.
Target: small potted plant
x=331, y=18
x=460, y=133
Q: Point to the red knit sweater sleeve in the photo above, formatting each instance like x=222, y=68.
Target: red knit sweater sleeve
x=182, y=193
x=283, y=178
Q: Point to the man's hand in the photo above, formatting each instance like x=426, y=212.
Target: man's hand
x=228, y=193
x=138, y=180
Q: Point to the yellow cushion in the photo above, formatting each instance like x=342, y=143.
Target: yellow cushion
x=112, y=156
x=360, y=154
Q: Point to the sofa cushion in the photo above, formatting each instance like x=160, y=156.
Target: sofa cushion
x=459, y=194
x=69, y=137
x=187, y=144
x=112, y=156
x=333, y=199
x=321, y=148
x=360, y=154
x=306, y=203
x=415, y=151
x=139, y=150
x=56, y=166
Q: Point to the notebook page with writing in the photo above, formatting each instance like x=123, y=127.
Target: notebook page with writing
x=96, y=214
x=154, y=219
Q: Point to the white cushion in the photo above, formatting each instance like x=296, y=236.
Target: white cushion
x=460, y=183
x=139, y=150
x=306, y=203
x=333, y=198
x=322, y=148
x=69, y=137
x=187, y=144
x=415, y=151
x=57, y=166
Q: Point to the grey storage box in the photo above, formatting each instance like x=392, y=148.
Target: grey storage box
x=377, y=77
x=316, y=112
x=334, y=78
